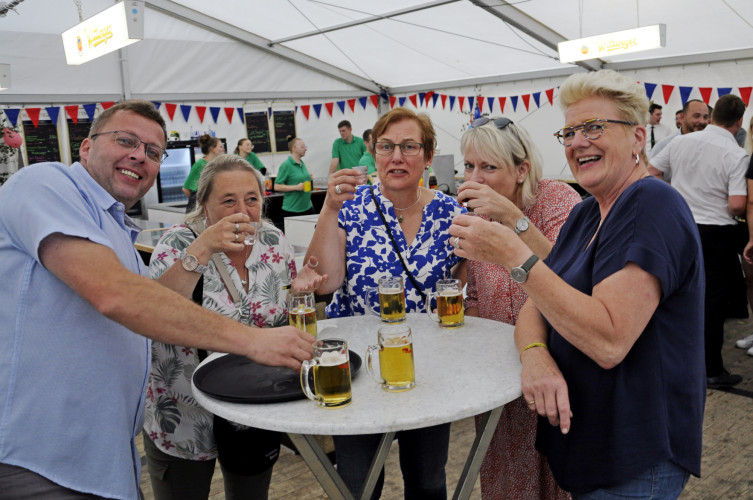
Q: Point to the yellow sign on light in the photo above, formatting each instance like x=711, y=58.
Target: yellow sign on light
x=108, y=31
x=613, y=44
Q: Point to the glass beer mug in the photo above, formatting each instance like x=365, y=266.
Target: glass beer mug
x=450, y=308
x=397, y=372
x=391, y=299
x=302, y=311
x=331, y=368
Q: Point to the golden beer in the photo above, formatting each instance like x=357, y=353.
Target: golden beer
x=332, y=383
x=392, y=305
x=303, y=318
x=396, y=364
x=450, y=309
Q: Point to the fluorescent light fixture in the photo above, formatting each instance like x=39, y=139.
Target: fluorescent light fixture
x=4, y=76
x=108, y=31
x=613, y=44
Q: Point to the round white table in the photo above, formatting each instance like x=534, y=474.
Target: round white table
x=471, y=370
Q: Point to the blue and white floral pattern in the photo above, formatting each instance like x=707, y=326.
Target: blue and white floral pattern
x=370, y=255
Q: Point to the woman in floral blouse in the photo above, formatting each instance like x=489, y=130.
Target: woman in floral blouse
x=503, y=183
x=179, y=435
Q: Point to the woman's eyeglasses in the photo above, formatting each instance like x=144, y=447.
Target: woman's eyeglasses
x=592, y=130
x=408, y=148
x=501, y=123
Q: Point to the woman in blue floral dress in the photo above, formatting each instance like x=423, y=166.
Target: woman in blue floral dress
x=354, y=248
x=179, y=435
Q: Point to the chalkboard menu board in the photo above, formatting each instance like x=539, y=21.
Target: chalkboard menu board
x=42, y=142
x=284, y=126
x=77, y=132
x=257, y=130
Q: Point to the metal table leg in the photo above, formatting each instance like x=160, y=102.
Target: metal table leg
x=478, y=452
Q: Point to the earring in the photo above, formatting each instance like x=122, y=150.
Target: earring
x=637, y=158
x=520, y=181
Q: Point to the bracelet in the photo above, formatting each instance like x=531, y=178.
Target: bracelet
x=530, y=346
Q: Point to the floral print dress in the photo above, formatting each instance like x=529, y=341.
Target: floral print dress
x=173, y=419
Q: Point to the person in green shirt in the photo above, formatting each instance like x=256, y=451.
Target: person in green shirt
x=211, y=147
x=244, y=149
x=347, y=150
x=292, y=179
x=368, y=157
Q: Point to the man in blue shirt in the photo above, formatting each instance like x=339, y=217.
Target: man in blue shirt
x=73, y=370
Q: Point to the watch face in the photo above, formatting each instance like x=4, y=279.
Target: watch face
x=521, y=225
x=518, y=274
x=190, y=262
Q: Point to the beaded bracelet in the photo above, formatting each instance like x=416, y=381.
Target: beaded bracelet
x=535, y=344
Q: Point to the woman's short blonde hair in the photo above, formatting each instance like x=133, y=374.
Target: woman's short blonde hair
x=223, y=163
x=628, y=96
x=507, y=148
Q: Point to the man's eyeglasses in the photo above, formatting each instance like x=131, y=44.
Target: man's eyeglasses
x=128, y=141
x=408, y=148
x=501, y=123
x=592, y=130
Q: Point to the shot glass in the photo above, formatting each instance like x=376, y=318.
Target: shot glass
x=250, y=238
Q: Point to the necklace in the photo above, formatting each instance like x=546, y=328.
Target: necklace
x=401, y=210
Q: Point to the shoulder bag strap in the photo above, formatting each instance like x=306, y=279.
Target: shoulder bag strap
x=397, y=249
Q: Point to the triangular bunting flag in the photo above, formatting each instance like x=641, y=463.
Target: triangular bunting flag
x=514, y=100
x=170, y=107
x=306, y=108
x=352, y=105
x=471, y=101
x=34, y=115
x=393, y=100
x=443, y=99
x=490, y=103
x=214, y=111
x=724, y=91
x=705, y=93
x=414, y=100
x=185, y=110
x=650, y=87
x=434, y=98
x=107, y=105
x=363, y=100
x=744, y=94
x=429, y=95
x=667, y=91
x=317, y=109
x=526, y=100
x=452, y=101
x=685, y=94
x=90, y=109
x=229, y=114
x=374, y=100
x=201, y=110
x=269, y=113
x=461, y=101
x=12, y=115
x=240, y=113
x=422, y=98
x=157, y=104
x=502, y=101
x=550, y=96
x=329, y=106
x=536, y=98
x=401, y=101
x=341, y=105
x=480, y=103
x=72, y=111
x=54, y=112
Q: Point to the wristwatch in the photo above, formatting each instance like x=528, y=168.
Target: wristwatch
x=191, y=263
x=521, y=225
x=520, y=274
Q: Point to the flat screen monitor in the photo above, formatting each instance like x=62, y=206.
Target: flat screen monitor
x=174, y=170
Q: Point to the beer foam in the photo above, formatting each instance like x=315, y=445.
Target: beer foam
x=331, y=358
x=449, y=293
x=394, y=341
x=395, y=289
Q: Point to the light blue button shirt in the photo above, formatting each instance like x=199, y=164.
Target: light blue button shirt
x=71, y=381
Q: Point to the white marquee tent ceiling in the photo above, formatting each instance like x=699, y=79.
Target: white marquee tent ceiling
x=257, y=49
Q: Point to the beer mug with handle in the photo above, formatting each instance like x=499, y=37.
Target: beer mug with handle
x=331, y=368
x=391, y=299
x=450, y=308
x=302, y=311
x=397, y=372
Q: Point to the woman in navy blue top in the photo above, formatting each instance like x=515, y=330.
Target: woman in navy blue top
x=611, y=337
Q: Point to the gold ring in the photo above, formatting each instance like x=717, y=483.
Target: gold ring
x=532, y=402
x=457, y=242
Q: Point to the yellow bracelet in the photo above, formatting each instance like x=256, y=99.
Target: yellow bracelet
x=530, y=346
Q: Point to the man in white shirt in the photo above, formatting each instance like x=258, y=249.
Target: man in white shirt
x=656, y=131
x=708, y=169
